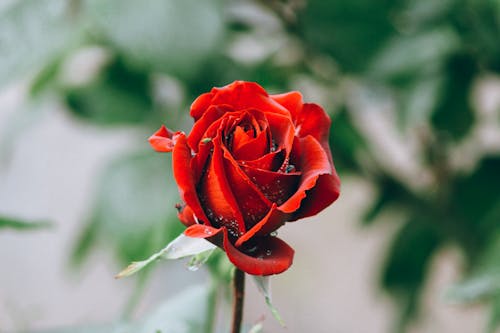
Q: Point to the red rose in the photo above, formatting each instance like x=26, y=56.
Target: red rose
x=252, y=162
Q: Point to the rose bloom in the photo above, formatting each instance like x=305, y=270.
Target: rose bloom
x=252, y=162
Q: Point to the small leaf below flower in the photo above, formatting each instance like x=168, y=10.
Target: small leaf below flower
x=180, y=247
x=264, y=286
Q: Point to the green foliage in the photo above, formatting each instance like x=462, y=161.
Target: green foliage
x=16, y=224
x=171, y=36
x=133, y=209
x=118, y=95
x=183, y=313
x=427, y=57
x=407, y=264
x=35, y=32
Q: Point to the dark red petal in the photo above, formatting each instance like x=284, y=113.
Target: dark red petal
x=269, y=223
x=200, y=127
x=163, y=140
x=186, y=215
x=271, y=161
x=184, y=176
x=252, y=203
x=292, y=101
x=282, y=131
x=277, y=187
x=217, y=196
x=243, y=95
x=253, y=148
x=200, y=105
x=325, y=192
x=274, y=256
x=313, y=162
x=314, y=121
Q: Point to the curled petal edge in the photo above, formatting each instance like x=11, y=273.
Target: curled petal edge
x=277, y=259
x=163, y=140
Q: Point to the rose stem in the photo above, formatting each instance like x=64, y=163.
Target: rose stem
x=239, y=296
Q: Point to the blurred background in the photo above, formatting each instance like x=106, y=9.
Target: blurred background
x=413, y=88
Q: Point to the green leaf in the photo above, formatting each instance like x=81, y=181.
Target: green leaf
x=180, y=247
x=134, y=208
x=33, y=33
x=484, y=282
x=171, y=36
x=404, y=55
x=405, y=269
x=119, y=95
x=13, y=223
x=494, y=321
x=476, y=197
x=346, y=142
x=183, y=313
x=349, y=30
x=454, y=115
x=264, y=286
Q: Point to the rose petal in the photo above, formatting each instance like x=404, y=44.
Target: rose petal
x=185, y=215
x=276, y=186
x=314, y=121
x=292, y=101
x=269, y=223
x=282, y=131
x=181, y=161
x=163, y=140
x=273, y=255
x=200, y=105
x=313, y=162
x=271, y=161
x=325, y=192
x=252, y=203
x=244, y=95
x=217, y=196
x=198, y=132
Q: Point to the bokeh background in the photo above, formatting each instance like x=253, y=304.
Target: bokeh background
x=413, y=88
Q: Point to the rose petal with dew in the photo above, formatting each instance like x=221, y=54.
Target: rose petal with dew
x=217, y=196
x=313, y=163
x=198, y=132
x=272, y=255
x=269, y=223
x=181, y=162
x=251, y=201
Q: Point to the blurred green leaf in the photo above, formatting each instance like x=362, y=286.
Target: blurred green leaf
x=454, y=115
x=182, y=313
x=134, y=208
x=392, y=194
x=180, y=247
x=476, y=197
x=171, y=36
x=346, y=142
x=406, y=264
x=117, y=96
x=494, y=321
x=13, y=223
x=349, y=30
x=33, y=33
x=264, y=286
x=404, y=56
x=484, y=282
